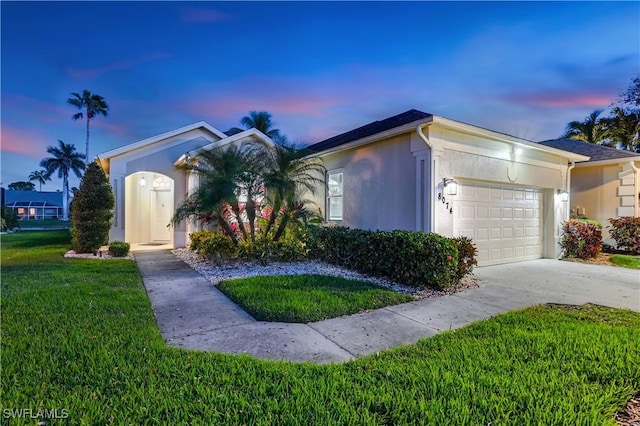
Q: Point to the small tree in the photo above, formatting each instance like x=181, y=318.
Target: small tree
x=91, y=211
x=22, y=186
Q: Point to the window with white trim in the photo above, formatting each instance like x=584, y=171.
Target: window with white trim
x=335, y=180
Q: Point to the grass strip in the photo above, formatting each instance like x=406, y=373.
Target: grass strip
x=307, y=298
x=631, y=262
x=80, y=335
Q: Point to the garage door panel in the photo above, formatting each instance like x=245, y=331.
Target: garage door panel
x=505, y=221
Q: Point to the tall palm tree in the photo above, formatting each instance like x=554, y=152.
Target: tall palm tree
x=262, y=121
x=65, y=159
x=289, y=174
x=39, y=176
x=90, y=106
x=592, y=129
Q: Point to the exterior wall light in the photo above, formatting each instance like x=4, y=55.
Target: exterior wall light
x=143, y=182
x=563, y=195
x=450, y=185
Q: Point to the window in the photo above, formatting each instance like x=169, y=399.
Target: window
x=334, y=194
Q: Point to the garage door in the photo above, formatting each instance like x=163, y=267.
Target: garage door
x=504, y=222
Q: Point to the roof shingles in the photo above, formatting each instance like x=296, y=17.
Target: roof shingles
x=369, y=130
x=596, y=152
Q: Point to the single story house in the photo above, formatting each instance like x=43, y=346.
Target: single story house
x=412, y=171
x=34, y=204
x=605, y=186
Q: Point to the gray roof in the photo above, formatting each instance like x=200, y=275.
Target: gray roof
x=369, y=129
x=596, y=152
x=34, y=197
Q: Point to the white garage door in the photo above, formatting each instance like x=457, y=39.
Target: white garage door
x=504, y=222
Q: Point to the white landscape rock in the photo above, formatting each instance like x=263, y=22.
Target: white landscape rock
x=226, y=271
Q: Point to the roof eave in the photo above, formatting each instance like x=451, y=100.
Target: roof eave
x=404, y=128
x=149, y=141
x=503, y=137
x=609, y=162
x=266, y=140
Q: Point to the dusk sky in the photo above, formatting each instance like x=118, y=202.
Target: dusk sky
x=320, y=68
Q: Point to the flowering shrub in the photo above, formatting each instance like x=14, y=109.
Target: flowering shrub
x=581, y=238
x=626, y=232
x=412, y=258
x=467, y=254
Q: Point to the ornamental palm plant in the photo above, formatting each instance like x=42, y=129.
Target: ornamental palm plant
x=290, y=172
x=65, y=159
x=229, y=188
x=90, y=105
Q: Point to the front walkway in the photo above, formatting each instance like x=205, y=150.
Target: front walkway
x=194, y=314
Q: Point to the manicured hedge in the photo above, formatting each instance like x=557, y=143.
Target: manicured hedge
x=581, y=238
x=626, y=232
x=412, y=258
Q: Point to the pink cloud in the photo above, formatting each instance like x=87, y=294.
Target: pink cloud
x=561, y=100
x=23, y=142
x=234, y=107
x=89, y=73
x=199, y=15
x=112, y=127
x=38, y=110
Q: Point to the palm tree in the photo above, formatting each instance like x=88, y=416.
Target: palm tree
x=290, y=173
x=65, y=159
x=592, y=129
x=624, y=128
x=89, y=105
x=229, y=186
x=39, y=176
x=262, y=121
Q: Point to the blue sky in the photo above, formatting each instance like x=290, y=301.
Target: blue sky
x=320, y=68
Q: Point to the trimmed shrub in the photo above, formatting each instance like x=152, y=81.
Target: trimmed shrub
x=217, y=246
x=9, y=218
x=91, y=211
x=581, y=238
x=265, y=250
x=196, y=238
x=467, y=256
x=119, y=248
x=412, y=258
x=626, y=232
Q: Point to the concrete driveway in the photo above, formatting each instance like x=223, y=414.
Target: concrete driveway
x=192, y=313
x=554, y=281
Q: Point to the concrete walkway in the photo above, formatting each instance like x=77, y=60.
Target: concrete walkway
x=194, y=314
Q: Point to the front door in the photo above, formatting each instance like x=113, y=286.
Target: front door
x=161, y=215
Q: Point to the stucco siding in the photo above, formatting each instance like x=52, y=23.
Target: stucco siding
x=379, y=185
x=594, y=193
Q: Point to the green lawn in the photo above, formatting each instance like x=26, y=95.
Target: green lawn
x=307, y=298
x=79, y=335
x=631, y=262
x=44, y=223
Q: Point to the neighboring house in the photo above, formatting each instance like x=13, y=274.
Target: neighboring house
x=148, y=187
x=418, y=171
x=607, y=185
x=34, y=205
x=412, y=171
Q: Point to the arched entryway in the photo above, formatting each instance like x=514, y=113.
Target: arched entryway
x=148, y=209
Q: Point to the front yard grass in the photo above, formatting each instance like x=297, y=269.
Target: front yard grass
x=631, y=262
x=79, y=335
x=307, y=298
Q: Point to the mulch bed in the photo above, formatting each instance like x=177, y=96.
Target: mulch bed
x=630, y=415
